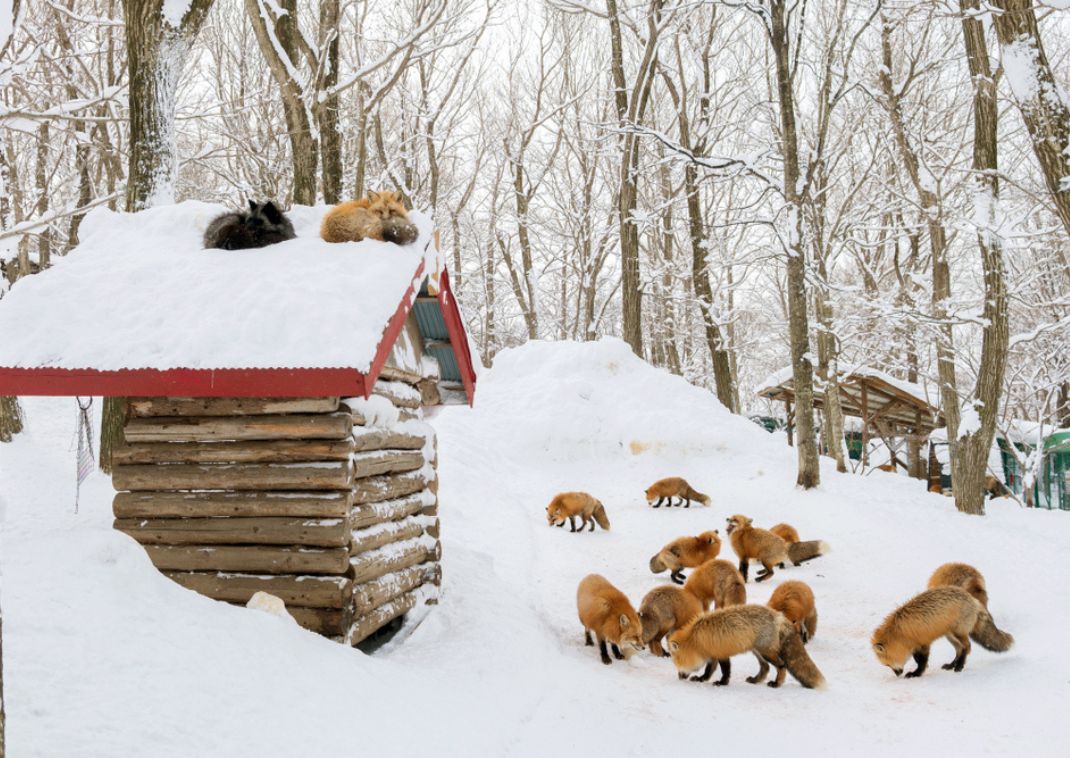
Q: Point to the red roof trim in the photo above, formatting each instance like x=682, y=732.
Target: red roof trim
x=393, y=329
x=184, y=382
x=451, y=314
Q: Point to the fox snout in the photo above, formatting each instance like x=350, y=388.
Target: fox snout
x=898, y=672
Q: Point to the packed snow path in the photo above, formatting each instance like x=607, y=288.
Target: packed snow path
x=106, y=657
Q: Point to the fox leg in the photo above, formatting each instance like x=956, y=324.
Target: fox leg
x=781, y=671
x=962, y=649
x=560, y=525
x=658, y=504
x=763, y=670
x=921, y=657
x=744, y=564
x=602, y=649
x=616, y=651
x=688, y=503
x=706, y=673
x=677, y=576
x=726, y=672
x=656, y=649
x=571, y=523
x=591, y=522
x=765, y=573
x=587, y=638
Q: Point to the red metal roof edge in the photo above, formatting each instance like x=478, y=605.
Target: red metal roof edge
x=393, y=329
x=451, y=314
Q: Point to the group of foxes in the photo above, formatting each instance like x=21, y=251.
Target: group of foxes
x=379, y=216
x=954, y=606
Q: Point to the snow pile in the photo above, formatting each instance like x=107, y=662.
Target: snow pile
x=140, y=292
x=598, y=399
x=104, y=656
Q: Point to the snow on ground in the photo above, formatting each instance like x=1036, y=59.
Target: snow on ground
x=105, y=657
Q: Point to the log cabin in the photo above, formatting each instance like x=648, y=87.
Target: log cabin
x=275, y=435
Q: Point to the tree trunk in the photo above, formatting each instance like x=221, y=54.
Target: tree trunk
x=156, y=53
x=327, y=111
x=1041, y=100
x=968, y=472
x=799, y=328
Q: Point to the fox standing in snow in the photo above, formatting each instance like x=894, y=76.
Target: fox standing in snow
x=961, y=575
x=751, y=543
x=949, y=612
x=379, y=216
x=664, y=610
x=607, y=612
x=796, y=601
x=568, y=505
x=718, y=582
x=672, y=487
x=686, y=552
x=712, y=640
x=262, y=225
x=799, y=552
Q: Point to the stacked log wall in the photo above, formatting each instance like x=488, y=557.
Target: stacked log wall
x=329, y=504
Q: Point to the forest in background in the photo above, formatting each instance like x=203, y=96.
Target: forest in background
x=732, y=187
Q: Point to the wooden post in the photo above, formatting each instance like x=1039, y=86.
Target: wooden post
x=787, y=406
x=865, y=426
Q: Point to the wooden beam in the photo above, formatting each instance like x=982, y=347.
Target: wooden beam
x=269, y=451
x=378, y=488
x=381, y=462
x=229, y=406
x=328, y=475
x=374, y=537
x=333, y=426
x=330, y=622
x=368, y=514
x=307, y=591
x=328, y=532
x=249, y=559
x=370, y=595
x=376, y=563
x=367, y=625
x=250, y=504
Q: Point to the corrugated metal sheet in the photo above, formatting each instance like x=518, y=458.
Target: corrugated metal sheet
x=429, y=319
x=447, y=361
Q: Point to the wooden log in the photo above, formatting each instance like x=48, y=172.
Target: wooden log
x=229, y=406
x=377, y=488
x=384, y=439
x=386, y=462
x=429, y=392
x=376, y=563
x=333, y=426
x=388, y=510
x=329, y=532
x=249, y=559
x=213, y=504
x=329, y=622
x=395, y=374
x=307, y=591
x=401, y=395
x=267, y=451
x=330, y=475
x=367, y=625
x=370, y=595
x=376, y=536
x=410, y=414
x=433, y=529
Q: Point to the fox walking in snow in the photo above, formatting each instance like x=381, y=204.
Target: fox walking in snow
x=949, y=612
x=712, y=639
x=568, y=505
x=686, y=552
x=796, y=601
x=717, y=582
x=798, y=551
x=672, y=487
x=664, y=610
x=961, y=575
x=753, y=544
x=607, y=612
x=379, y=216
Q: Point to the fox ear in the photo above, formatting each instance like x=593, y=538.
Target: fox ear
x=624, y=623
x=252, y=205
x=674, y=646
x=675, y=551
x=878, y=647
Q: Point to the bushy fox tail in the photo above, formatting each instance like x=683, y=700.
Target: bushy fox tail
x=987, y=635
x=799, y=663
x=399, y=231
x=805, y=551
x=693, y=494
x=601, y=517
x=810, y=625
x=657, y=565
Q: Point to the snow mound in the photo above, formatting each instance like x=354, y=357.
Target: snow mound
x=141, y=292
x=599, y=398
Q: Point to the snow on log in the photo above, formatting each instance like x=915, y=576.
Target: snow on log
x=393, y=557
x=377, y=488
x=294, y=590
x=381, y=616
x=369, y=514
x=373, y=537
x=386, y=462
x=370, y=595
x=365, y=440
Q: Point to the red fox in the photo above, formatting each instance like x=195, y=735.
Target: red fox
x=379, y=216
x=606, y=611
x=751, y=543
x=949, y=612
x=961, y=575
x=799, y=552
x=672, y=487
x=718, y=582
x=567, y=505
x=796, y=601
x=712, y=639
x=664, y=610
x=686, y=552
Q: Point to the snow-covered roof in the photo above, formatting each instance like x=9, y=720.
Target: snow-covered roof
x=140, y=294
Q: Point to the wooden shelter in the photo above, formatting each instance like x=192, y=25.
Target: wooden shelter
x=888, y=408
x=314, y=483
